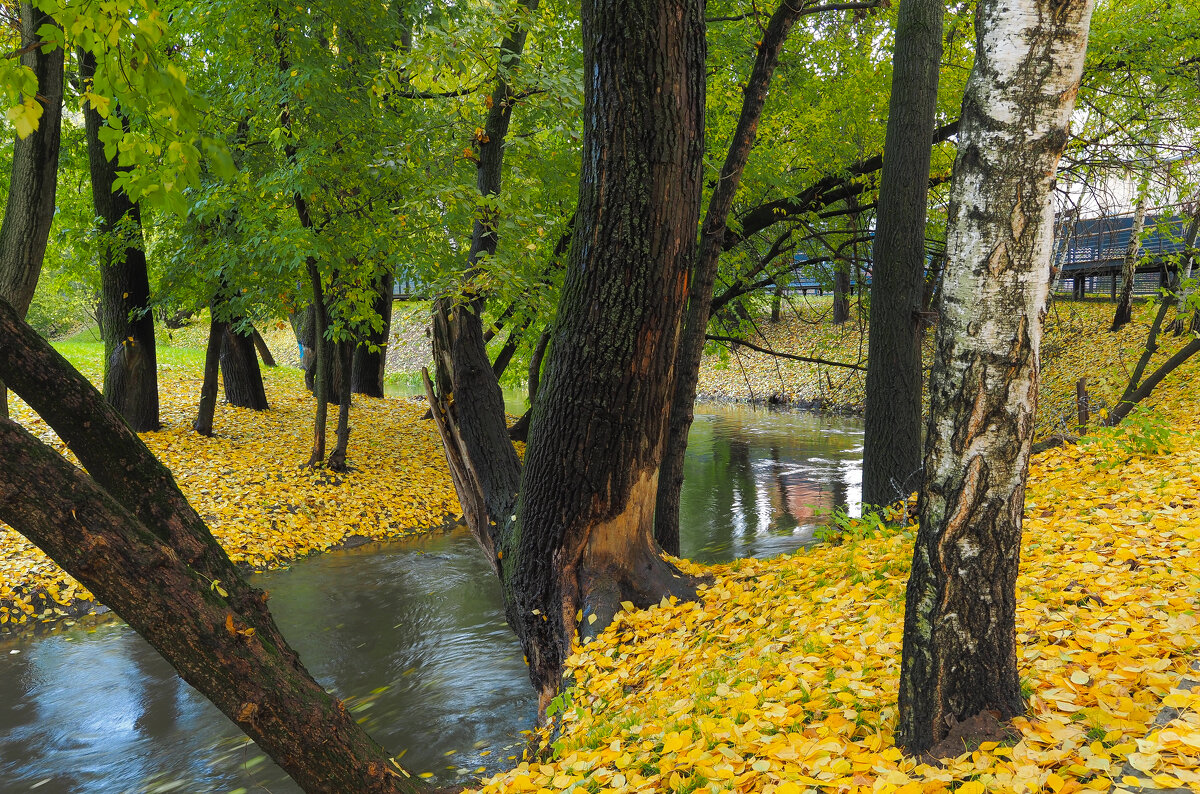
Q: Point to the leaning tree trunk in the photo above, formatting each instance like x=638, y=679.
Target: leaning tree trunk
x=260, y=345
x=959, y=655
x=712, y=242
x=370, y=366
x=128, y=534
x=1124, y=312
x=586, y=521
x=126, y=323
x=892, y=411
x=239, y=371
x=29, y=211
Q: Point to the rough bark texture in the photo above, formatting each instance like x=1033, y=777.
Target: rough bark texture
x=959, y=655
x=700, y=291
x=207, y=409
x=585, y=539
x=29, y=209
x=1124, y=311
x=126, y=322
x=239, y=371
x=127, y=533
x=369, y=367
x=892, y=411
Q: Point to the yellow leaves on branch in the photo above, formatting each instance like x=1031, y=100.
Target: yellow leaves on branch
x=784, y=679
x=247, y=484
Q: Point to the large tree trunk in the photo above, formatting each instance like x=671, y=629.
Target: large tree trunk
x=892, y=442
x=126, y=322
x=370, y=366
x=127, y=533
x=960, y=656
x=586, y=537
x=1124, y=311
x=699, y=298
x=29, y=210
x=239, y=371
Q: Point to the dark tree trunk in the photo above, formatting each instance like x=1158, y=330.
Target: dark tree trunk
x=208, y=390
x=960, y=654
x=892, y=444
x=260, y=345
x=370, y=366
x=699, y=299
x=1124, y=312
x=843, y=266
x=321, y=351
x=337, y=458
x=520, y=429
x=239, y=371
x=29, y=210
x=127, y=533
x=776, y=302
x=586, y=538
x=126, y=323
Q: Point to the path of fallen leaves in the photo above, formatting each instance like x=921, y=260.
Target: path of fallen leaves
x=784, y=679
x=248, y=485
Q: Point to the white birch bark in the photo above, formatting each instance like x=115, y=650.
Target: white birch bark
x=960, y=637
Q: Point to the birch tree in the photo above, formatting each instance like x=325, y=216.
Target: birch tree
x=959, y=655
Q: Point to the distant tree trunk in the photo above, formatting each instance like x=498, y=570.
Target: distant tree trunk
x=320, y=365
x=337, y=458
x=206, y=412
x=843, y=266
x=370, y=366
x=959, y=655
x=127, y=324
x=240, y=373
x=712, y=242
x=1124, y=312
x=260, y=345
x=126, y=532
x=776, y=302
x=29, y=211
x=892, y=443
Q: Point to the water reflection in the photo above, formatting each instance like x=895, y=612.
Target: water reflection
x=410, y=633
x=758, y=483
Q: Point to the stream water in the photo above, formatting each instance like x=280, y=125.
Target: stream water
x=411, y=633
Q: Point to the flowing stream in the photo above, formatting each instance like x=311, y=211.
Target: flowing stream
x=411, y=633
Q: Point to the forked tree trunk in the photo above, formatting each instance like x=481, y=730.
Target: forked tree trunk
x=700, y=291
x=126, y=322
x=29, y=210
x=892, y=411
x=960, y=656
x=239, y=371
x=127, y=533
x=370, y=366
x=1124, y=311
x=260, y=345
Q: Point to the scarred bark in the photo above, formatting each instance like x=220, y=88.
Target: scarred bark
x=892, y=409
x=959, y=655
x=125, y=531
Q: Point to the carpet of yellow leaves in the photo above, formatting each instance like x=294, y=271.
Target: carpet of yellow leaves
x=784, y=679
x=247, y=483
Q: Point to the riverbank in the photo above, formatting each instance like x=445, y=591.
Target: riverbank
x=247, y=483
x=784, y=679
